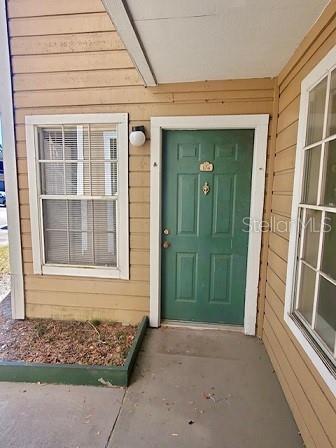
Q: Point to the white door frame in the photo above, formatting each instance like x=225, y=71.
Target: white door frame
x=260, y=124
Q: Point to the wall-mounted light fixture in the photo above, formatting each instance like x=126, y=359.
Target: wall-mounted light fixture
x=137, y=136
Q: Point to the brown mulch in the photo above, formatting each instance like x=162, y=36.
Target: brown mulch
x=65, y=342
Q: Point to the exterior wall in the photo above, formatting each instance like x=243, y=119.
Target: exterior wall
x=67, y=58
x=312, y=403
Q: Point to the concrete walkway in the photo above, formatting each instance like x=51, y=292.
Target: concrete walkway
x=191, y=388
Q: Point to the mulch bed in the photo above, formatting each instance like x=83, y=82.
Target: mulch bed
x=64, y=342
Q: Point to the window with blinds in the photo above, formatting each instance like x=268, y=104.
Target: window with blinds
x=78, y=194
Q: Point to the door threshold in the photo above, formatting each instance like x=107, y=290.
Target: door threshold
x=201, y=326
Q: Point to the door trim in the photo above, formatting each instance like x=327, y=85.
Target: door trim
x=260, y=124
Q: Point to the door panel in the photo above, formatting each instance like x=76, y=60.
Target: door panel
x=223, y=204
x=203, y=270
x=187, y=203
x=220, y=281
x=186, y=275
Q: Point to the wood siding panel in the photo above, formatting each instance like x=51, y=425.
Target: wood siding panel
x=311, y=401
x=60, y=24
x=143, y=112
x=67, y=62
x=68, y=58
x=28, y=8
x=84, y=313
x=66, y=43
x=76, y=80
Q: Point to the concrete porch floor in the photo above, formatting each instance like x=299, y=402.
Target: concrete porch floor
x=191, y=388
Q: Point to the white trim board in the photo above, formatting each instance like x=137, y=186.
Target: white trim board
x=11, y=180
x=122, y=21
x=314, y=77
x=260, y=124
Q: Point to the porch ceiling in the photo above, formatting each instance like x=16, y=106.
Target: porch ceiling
x=194, y=40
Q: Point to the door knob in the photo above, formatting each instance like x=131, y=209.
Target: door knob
x=166, y=244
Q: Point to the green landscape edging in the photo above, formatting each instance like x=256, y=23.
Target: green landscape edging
x=28, y=372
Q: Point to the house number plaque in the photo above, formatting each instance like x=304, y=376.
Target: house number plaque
x=206, y=166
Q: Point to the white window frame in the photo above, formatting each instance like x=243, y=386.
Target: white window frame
x=318, y=359
x=120, y=120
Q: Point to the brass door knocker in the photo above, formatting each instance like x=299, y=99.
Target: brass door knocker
x=205, y=188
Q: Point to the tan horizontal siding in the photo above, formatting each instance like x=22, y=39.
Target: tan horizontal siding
x=76, y=80
x=28, y=8
x=139, y=112
x=60, y=24
x=66, y=62
x=312, y=403
x=287, y=137
x=84, y=313
x=66, y=43
x=68, y=58
x=87, y=285
x=285, y=160
x=231, y=84
x=77, y=299
x=296, y=410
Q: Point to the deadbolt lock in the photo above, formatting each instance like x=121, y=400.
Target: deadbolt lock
x=166, y=231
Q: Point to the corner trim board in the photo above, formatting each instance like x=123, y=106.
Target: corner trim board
x=260, y=124
x=11, y=179
x=122, y=20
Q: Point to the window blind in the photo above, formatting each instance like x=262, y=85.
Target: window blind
x=78, y=173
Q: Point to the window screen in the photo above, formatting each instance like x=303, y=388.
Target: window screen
x=78, y=192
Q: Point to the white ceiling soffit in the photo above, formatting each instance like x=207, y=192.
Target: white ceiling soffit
x=196, y=40
x=123, y=23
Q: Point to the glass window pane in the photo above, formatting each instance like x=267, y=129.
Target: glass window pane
x=52, y=177
x=81, y=252
x=56, y=247
x=325, y=324
x=80, y=215
x=316, y=107
x=79, y=160
x=311, y=176
x=80, y=232
x=306, y=293
x=55, y=226
x=329, y=197
x=312, y=236
x=76, y=142
x=103, y=142
x=331, y=128
x=329, y=246
x=55, y=214
x=104, y=178
x=77, y=178
x=105, y=227
x=50, y=143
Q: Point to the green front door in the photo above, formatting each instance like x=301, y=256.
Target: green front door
x=204, y=234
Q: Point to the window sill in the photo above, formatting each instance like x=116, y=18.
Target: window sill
x=99, y=272
x=319, y=360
